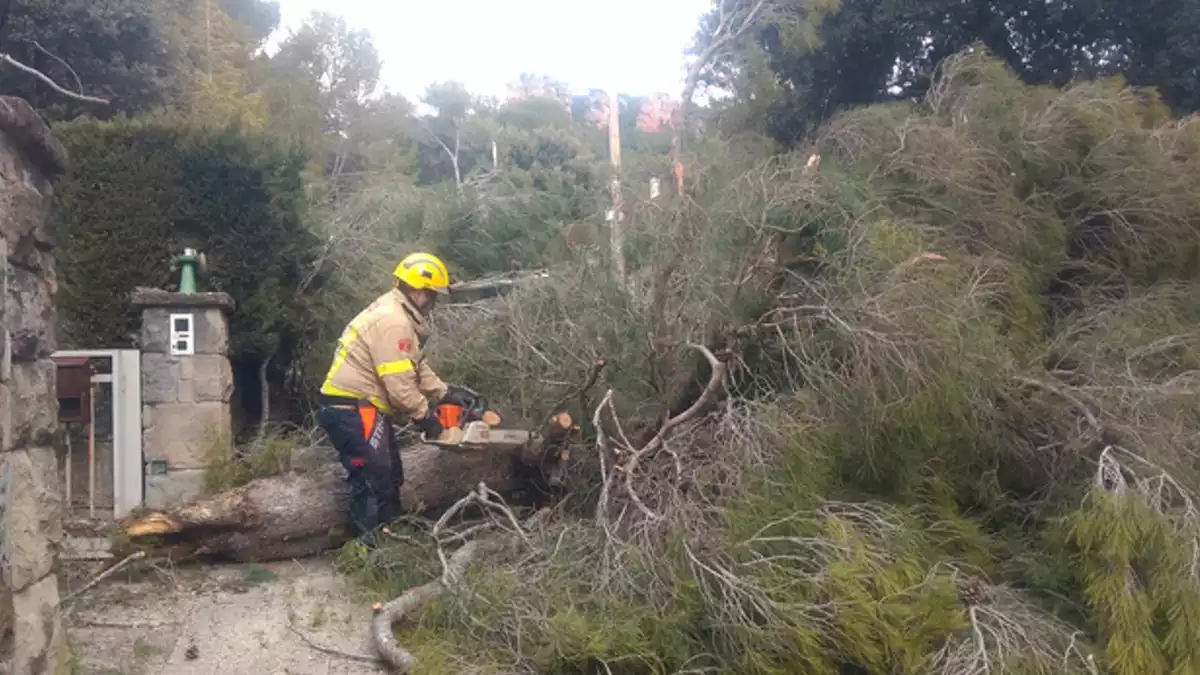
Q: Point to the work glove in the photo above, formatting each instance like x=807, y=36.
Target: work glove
x=429, y=425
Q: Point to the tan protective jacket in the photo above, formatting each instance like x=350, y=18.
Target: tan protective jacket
x=379, y=359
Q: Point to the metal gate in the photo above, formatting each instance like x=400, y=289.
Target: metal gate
x=100, y=417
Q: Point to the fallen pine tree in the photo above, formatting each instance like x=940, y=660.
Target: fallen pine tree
x=299, y=514
x=975, y=462
x=983, y=463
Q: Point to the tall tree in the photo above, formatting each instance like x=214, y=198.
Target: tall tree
x=340, y=63
x=382, y=139
x=318, y=88
x=723, y=33
x=220, y=48
x=869, y=51
x=258, y=18
x=445, y=132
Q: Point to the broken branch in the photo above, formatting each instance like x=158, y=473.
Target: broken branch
x=715, y=381
x=330, y=650
x=64, y=64
x=101, y=577
x=497, y=283
x=581, y=393
x=392, y=612
x=49, y=82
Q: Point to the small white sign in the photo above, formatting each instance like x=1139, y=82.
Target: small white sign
x=182, y=335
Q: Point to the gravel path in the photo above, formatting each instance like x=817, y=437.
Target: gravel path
x=228, y=619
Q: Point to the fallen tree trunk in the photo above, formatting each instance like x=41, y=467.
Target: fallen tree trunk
x=302, y=514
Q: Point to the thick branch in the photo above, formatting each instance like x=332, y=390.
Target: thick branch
x=581, y=393
x=556, y=430
x=264, y=396
x=382, y=631
x=304, y=513
x=715, y=381
x=391, y=613
x=49, y=82
x=452, y=154
x=61, y=62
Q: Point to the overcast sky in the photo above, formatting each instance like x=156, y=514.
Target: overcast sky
x=635, y=46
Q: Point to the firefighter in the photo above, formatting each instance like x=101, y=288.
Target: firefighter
x=378, y=377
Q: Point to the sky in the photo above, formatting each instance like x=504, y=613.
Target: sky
x=633, y=46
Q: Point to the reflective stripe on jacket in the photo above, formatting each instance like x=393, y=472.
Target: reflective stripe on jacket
x=379, y=359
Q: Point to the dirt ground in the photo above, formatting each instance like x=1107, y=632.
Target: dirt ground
x=228, y=619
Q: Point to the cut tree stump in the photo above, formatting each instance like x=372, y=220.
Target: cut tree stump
x=302, y=514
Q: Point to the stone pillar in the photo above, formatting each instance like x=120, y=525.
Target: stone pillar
x=32, y=641
x=186, y=420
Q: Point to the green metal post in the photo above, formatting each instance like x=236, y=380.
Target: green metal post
x=187, y=270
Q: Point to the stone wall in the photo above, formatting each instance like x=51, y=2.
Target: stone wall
x=186, y=419
x=30, y=494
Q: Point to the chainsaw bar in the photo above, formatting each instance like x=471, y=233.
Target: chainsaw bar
x=479, y=436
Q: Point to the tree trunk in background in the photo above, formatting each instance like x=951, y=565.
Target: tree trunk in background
x=264, y=394
x=616, y=227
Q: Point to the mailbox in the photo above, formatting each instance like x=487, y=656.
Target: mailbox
x=74, y=377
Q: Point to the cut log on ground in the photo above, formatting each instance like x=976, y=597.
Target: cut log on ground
x=298, y=515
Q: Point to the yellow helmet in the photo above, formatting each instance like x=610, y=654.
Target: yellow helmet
x=424, y=271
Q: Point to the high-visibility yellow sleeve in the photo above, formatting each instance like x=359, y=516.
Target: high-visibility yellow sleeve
x=394, y=367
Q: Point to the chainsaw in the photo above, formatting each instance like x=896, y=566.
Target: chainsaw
x=468, y=423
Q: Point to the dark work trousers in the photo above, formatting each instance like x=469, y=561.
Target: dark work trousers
x=362, y=436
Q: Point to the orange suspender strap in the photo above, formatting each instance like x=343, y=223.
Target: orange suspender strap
x=367, y=414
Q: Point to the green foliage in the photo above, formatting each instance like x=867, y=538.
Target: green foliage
x=869, y=599
x=132, y=52
x=1137, y=568
x=809, y=61
x=980, y=461
x=271, y=455
x=122, y=183
x=120, y=49
x=341, y=63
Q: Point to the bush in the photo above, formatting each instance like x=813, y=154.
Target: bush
x=138, y=193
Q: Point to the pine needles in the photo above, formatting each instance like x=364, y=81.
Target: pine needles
x=959, y=434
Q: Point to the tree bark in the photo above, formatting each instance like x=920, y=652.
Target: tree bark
x=297, y=515
x=264, y=396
